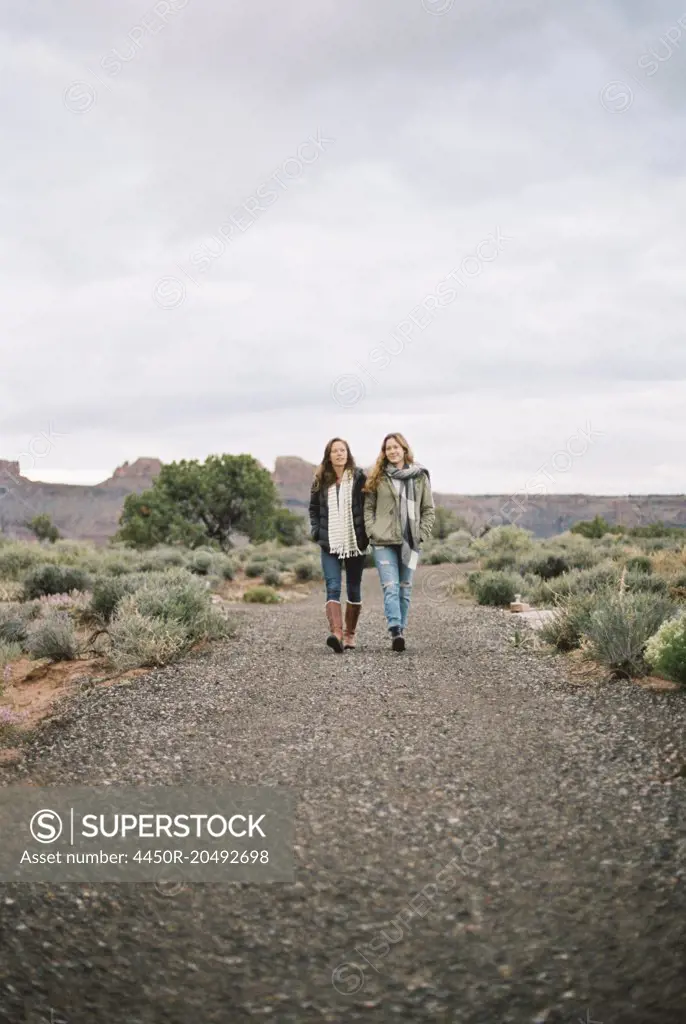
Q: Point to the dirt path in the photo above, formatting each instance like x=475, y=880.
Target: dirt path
x=568, y=863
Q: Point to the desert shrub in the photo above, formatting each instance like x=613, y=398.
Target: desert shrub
x=617, y=552
x=54, y=579
x=593, y=528
x=261, y=595
x=669, y=563
x=646, y=582
x=504, y=540
x=162, y=558
x=138, y=640
x=548, y=565
x=271, y=576
x=11, y=590
x=10, y=650
x=459, y=539
x=165, y=557
x=495, y=588
x=543, y=592
x=108, y=591
x=227, y=570
x=163, y=617
x=619, y=628
x=665, y=651
x=598, y=578
x=576, y=581
x=222, y=567
x=200, y=563
x=678, y=581
x=291, y=528
x=254, y=569
x=15, y=621
x=174, y=595
x=639, y=563
x=570, y=621
x=437, y=555
x=580, y=552
x=15, y=559
x=500, y=560
x=115, y=566
x=53, y=637
x=305, y=570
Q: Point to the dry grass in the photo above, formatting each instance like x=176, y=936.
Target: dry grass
x=669, y=563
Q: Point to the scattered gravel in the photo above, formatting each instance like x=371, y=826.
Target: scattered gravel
x=565, y=900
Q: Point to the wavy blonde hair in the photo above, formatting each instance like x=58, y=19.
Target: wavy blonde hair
x=381, y=462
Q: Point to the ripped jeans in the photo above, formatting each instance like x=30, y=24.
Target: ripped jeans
x=396, y=584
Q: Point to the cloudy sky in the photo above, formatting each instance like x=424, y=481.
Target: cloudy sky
x=249, y=227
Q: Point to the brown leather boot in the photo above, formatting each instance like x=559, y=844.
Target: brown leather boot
x=335, y=617
x=352, y=614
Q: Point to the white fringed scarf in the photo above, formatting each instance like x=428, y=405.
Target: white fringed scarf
x=342, y=539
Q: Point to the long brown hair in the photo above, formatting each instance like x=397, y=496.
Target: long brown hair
x=381, y=462
x=325, y=474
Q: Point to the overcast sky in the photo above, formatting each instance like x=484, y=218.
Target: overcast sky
x=231, y=227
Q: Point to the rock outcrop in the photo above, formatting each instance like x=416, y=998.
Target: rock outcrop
x=137, y=475
x=92, y=513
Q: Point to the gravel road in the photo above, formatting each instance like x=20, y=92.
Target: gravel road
x=564, y=899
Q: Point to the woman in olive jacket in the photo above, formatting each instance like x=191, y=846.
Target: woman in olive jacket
x=337, y=525
x=398, y=516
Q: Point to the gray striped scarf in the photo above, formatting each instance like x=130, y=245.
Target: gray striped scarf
x=409, y=513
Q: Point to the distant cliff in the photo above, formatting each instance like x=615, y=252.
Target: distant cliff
x=544, y=514
x=79, y=512
x=92, y=513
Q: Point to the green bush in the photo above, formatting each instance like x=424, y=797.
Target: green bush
x=261, y=595
x=548, y=566
x=504, y=540
x=141, y=641
x=619, y=627
x=496, y=588
x=305, y=570
x=254, y=569
x=646, y=582
x=570, y=621
x=53, y=637
x=227, y=570
x=640, y=563
x=580, y=552
x=593, y=528
x=164, y=617
x=108, y=591
x=291, y=529
x=271, y=576
x=598, y=578
x=441, y=553
x=14, y=624
x=200, y=563
x=501, y=560
x=48, y=579
x=665, y=651
x=9, y=651
x=15, y=559
x=160, y=559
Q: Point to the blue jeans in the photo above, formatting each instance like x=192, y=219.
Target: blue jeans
x=332, y=567
x=396, y=584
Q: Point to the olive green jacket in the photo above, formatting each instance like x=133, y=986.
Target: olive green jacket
x=382, y=511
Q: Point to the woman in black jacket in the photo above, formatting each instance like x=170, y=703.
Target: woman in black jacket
x=337, y=524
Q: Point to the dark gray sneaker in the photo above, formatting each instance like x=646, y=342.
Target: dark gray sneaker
x=397, y=638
